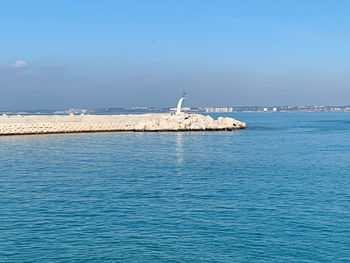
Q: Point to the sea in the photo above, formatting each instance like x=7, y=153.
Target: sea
x=278, y=191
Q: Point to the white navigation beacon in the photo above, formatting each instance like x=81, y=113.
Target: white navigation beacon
x=179, y=104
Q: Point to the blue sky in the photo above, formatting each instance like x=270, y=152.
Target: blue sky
x=59, y=54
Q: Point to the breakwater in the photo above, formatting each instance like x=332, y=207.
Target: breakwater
x=20, y=125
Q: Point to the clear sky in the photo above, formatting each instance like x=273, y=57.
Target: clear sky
x=62, y=53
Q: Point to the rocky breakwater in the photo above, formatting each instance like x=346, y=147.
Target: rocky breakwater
x=16, y=125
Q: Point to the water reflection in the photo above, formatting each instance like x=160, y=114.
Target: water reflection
x=179, y=147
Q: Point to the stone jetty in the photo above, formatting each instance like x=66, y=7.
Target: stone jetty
x=36, y=124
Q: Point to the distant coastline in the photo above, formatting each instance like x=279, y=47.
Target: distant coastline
x=200, y=110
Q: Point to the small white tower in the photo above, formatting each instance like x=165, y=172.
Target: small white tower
x=179, y=104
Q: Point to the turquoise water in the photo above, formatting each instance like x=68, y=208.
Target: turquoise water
x=278, y=191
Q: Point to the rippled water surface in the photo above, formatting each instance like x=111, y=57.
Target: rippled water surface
x=278, y=191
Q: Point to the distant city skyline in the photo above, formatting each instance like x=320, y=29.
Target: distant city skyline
x=206, y=110
x=94, y=54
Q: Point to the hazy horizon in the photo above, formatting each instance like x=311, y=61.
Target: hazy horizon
x=84, y=54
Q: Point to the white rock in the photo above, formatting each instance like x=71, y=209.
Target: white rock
x=146, y=122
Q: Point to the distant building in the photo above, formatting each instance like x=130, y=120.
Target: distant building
x=218, y=110
x=183, y=109
x=139, y=108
